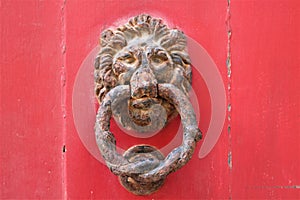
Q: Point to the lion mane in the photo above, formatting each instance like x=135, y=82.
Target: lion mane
x=112, y=41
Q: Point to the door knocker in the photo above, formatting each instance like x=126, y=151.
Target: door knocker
x=144, y=66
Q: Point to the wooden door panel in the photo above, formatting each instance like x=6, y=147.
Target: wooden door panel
x=84, y=25
x=265, y=99
x=30, y=105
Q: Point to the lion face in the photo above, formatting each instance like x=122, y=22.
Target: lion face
x=142, y=54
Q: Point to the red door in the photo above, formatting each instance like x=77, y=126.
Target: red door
x=251, y=69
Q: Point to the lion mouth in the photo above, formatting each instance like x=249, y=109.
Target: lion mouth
x=144, y=103
x=140, y=109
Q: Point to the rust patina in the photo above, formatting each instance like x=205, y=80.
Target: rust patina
x=144, y=66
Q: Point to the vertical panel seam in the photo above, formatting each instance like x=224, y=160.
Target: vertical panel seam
x=229, y=104
x=63, y=97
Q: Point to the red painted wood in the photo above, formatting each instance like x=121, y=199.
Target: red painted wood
x=200, y=178
x=266, y=99
x=30, y=104
x=263, y=143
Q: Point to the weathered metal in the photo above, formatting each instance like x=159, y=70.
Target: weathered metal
x=144, y=64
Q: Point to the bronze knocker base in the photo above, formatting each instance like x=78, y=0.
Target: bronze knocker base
x=137, y=154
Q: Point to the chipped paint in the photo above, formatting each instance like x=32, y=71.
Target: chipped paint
x=262, y=187
x=230, y=160
x=63, y=90
x=229, y=104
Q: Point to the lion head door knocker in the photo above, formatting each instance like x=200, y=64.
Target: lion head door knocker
x=144, y=66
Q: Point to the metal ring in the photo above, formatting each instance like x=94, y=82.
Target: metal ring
x=147, y=169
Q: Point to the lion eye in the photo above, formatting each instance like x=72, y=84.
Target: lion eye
x=177, y=60
x=127, y=58
x=159, y=58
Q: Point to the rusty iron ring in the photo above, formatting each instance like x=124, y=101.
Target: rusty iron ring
x=148, y=171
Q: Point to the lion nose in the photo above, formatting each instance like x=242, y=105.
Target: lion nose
x=143, y=82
